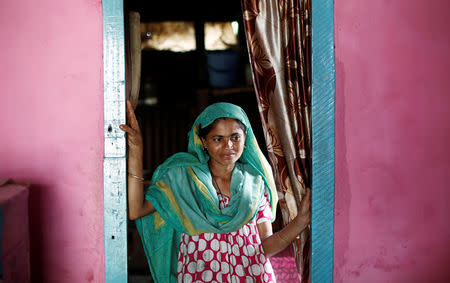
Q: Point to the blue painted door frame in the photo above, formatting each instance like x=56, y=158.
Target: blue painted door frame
x=323, y=97
x=114, y=161
x=114, y=164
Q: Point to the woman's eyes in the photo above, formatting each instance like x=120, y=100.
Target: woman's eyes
x=232, y=138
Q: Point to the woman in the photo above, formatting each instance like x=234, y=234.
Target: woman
x=207, y=213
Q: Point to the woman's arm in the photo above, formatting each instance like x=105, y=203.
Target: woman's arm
x=138, y=206
x=275, y=243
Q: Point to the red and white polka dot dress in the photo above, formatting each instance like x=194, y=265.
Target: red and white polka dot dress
x=228, y=257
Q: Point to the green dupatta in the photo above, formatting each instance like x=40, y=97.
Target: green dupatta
x=182, y=192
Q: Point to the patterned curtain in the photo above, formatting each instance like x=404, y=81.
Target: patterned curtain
x=278, y=40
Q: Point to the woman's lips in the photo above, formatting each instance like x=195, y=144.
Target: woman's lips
x=228, y=155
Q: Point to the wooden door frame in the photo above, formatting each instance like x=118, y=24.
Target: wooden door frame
x=114, y=164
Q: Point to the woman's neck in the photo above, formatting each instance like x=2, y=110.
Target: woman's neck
x=220, y=171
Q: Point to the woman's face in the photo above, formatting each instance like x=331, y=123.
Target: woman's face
x=225, y=142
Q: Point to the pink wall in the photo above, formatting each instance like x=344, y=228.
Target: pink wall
x=51, y=118
x=392, y=141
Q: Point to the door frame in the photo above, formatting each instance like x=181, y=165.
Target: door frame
x=115, y=218
x=323, y=106
x=114, y=163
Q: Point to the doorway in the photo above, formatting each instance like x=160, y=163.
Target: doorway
x=176, y=84
x=116, y=226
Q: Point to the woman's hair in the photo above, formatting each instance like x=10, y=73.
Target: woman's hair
x=203, y=132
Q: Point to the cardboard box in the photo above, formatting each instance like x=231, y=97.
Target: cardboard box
x=14, y=233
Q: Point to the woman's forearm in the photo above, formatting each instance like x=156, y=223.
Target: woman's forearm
x=137, y=205
x=277, y=242
x=280, y=240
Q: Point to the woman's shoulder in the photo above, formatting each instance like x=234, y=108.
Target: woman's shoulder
x=175, y=164
x=180, y=159
x=247, y=169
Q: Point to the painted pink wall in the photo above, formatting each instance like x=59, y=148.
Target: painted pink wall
x=392, y=141
x=51, y=117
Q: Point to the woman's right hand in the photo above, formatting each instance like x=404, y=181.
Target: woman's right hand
x=138, y=206
x=134, y=137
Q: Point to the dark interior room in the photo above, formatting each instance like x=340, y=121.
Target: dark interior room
x=176, y=86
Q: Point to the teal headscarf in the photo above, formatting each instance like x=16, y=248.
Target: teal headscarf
x=186, y=201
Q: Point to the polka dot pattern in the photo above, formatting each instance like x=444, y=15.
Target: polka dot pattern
x=228, y=257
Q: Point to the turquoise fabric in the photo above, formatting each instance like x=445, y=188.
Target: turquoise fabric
x=182, y=192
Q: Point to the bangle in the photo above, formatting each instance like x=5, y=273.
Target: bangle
x=136, y=177
x=281, y=238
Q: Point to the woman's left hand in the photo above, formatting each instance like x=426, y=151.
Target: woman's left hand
x=303, y=217
x=274, y=243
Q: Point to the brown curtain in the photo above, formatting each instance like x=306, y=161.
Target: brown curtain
x=278, y=40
